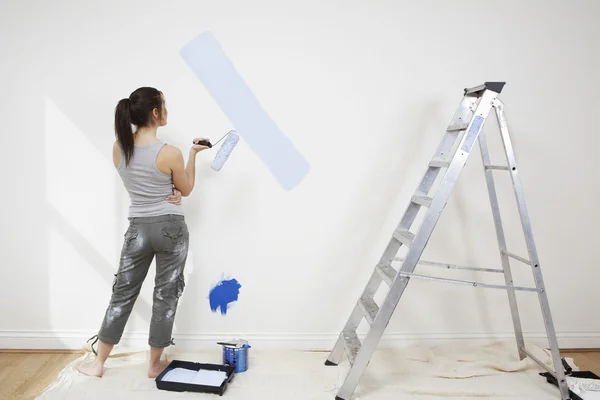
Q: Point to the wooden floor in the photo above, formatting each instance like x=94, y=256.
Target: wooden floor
x=23, y=375
x=585, y=360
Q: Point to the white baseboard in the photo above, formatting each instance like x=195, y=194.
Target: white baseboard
x=74, y=340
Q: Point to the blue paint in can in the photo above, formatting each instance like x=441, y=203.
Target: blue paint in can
x=236, y=356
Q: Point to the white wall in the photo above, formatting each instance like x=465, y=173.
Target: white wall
x=364, y=90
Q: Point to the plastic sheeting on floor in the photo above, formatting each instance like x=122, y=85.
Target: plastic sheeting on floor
x=420, y=373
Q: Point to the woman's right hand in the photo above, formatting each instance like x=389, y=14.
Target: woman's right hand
x=198, y=147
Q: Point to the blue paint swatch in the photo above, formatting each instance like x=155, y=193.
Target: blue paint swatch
x=222, y=294
x=206, y=59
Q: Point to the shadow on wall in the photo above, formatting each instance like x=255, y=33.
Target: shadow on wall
x=103, y=267
x=367, y=221
x=68, y=209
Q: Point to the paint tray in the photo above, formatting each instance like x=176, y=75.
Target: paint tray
x=201, y=371
x=569, y=372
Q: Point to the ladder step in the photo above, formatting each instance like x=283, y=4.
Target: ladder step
x=424, y=201
x=516, y=257
x=457, y=127
x=387, y=273
x=500, y=167
x=439, y=164
x=404, y=237
x=445, y=280
x=370, y=309
x=352, y=345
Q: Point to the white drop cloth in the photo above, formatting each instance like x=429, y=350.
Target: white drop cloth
x=465, y=373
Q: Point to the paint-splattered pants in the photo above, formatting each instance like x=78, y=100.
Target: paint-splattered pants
x=167, y=239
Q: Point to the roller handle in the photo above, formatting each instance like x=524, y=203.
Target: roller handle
x=204, y=143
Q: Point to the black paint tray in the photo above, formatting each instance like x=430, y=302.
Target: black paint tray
x=569, y=372
x=190, y=387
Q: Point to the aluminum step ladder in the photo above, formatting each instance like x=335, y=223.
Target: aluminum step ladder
x=466, y=126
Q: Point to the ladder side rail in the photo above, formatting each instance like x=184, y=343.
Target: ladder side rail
x=512, y=298
x=531, y=248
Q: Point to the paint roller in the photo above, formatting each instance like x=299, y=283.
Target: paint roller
x=231, y=140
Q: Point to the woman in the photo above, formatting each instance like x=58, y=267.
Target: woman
x=150, y=170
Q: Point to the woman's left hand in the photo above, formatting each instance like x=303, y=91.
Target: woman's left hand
x=175, y=198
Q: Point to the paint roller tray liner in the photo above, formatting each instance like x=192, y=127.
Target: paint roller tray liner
x=187, y=376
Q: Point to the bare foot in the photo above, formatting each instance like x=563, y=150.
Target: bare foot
x=91, y=369
x=154, y=370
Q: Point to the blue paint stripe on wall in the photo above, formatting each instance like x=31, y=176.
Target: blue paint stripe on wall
x=206, y=59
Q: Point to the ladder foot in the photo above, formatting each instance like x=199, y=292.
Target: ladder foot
x=330, y=363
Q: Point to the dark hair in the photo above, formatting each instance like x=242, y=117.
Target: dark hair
x=136, y=110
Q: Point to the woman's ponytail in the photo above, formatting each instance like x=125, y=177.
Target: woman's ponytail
x=137, y=111
x=123, y=130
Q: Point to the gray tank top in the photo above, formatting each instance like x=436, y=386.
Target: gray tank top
x=146, y=184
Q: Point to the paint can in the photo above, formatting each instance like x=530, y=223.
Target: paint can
x=235, y=353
